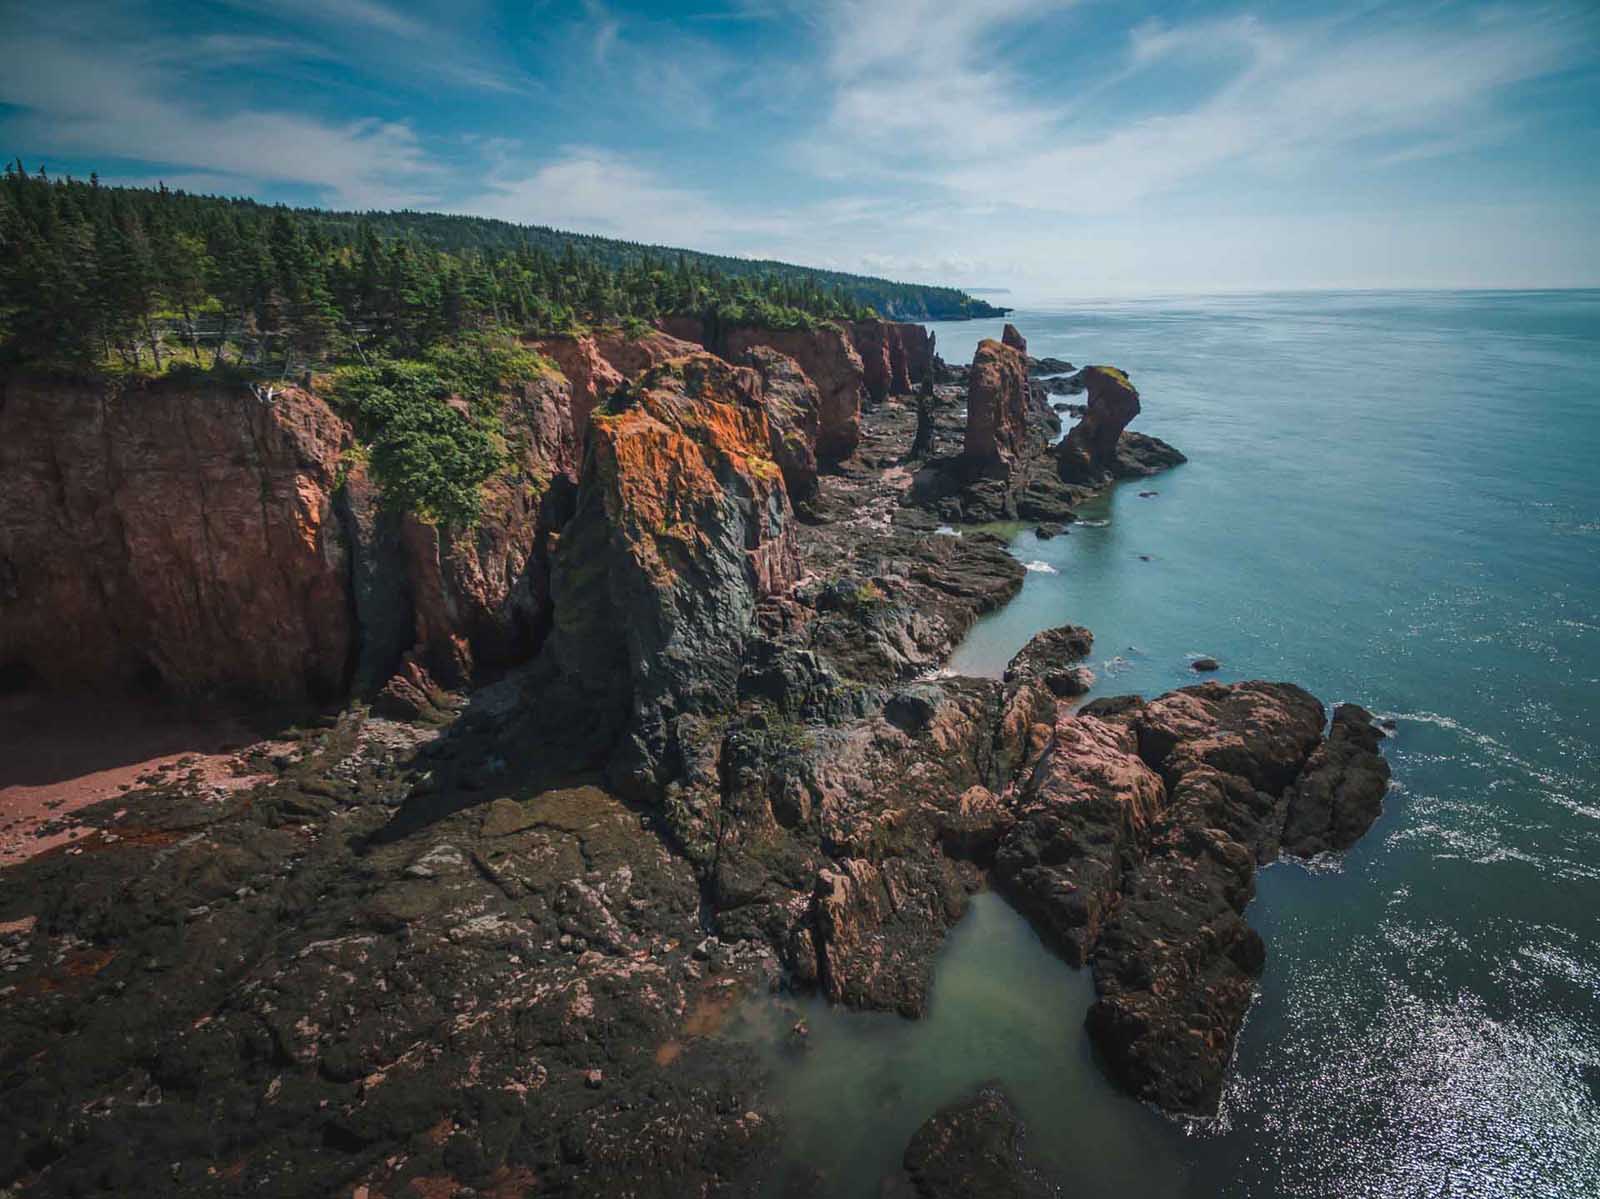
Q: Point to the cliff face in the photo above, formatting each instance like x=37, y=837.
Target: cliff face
x=592, y=376
x=997, y=404
x=214, y=538
x=917, y=344
x=172, y=533
x=831, y=362
x=682, y=525
x=872, y=339
x=633, y=356
x=793, y=414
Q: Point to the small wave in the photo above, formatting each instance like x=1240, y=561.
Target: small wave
x=1040, y=567
x=947, y=531
x=1092, y=523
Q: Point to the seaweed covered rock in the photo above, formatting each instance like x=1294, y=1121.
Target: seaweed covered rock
x=682, y=524
x=973, y=1149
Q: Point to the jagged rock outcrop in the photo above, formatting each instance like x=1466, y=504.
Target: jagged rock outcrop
x=1082, y=815
x=682, y=524
x=1009, y=336
x=872, y=340
x=593, y=379
x=973, y=1149
x=1340, y=792
x=1048, y=366
x=829, y=360
x=1051, y=657
x=632, y=354
x=896, y=356
x=1136, y=845
x=997, y=405
x=794, y=408
x=918, y=345
x=173, y=533
x=1088, y=453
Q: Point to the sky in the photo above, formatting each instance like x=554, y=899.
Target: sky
x=1047, y=147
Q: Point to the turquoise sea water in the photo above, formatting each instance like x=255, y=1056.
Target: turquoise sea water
x=1392, y=498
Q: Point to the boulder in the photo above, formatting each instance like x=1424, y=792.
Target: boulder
x=973, y=1149
x=1139, y=454
x=1048, y=651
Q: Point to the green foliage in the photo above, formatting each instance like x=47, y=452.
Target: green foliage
x=93, y=276
x=427, y=456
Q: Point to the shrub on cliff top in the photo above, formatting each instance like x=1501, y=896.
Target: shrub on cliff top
x=428, y=456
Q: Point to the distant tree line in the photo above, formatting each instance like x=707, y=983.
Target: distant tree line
x=145, y=279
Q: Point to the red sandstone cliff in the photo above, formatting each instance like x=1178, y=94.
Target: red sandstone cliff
x=825, y=354
x=207, y=537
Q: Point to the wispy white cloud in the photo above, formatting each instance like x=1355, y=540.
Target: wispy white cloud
x=591, y=190
x=604, y=29
x=140, y=108
x=1293, y=95
x=436, y=51
x=928, y=77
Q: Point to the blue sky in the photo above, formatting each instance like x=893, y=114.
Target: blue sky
x=1049, y=147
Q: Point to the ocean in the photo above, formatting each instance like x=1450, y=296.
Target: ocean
x=1392, y=498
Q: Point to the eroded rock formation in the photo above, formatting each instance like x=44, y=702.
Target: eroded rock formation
x=997, y=404
x=681, y=525
x=1136, y=846
x=409, y=960
x=829, y=360
x=794, y=409
x=593, y=379
x=217, y=538
x=1088, y=454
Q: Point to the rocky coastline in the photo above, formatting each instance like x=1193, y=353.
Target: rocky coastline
x=667, y=729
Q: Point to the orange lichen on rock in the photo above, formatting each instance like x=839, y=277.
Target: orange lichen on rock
x=682, y=526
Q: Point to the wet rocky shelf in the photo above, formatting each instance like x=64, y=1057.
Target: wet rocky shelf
x=484, y=936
